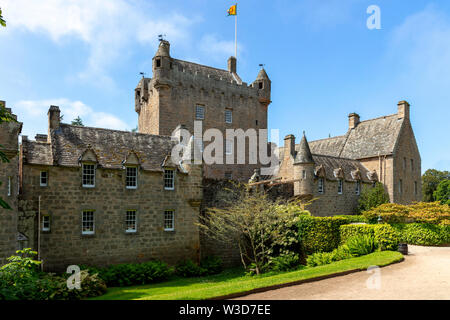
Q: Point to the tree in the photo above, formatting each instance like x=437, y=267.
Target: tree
x=2, y=22
x=5, y=116
x=135, y=129
x=372, y=197
x=261, y=228
x=430, y=181
x=77, y=122
x=442, y=192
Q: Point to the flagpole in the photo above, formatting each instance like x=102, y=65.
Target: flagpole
x=235, y=34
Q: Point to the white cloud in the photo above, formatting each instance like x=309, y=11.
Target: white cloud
x=33, y=114
x=108, y=27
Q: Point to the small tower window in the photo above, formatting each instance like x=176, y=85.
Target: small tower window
x=321, y=186
x=256, y=122
x=200, y=112
x=400, y=186
x=260, y=85
x=304, y=174
x=228, y=116
x=46, y=223
x=415, y=188
x=358, y=187
x=158, y=63
x=44, y=179
x=412, y=165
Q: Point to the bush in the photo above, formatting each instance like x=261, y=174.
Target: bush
x=386, y=236
x=424, y=234
x=353, y=218
x=427, y=212
x=361, y=245
x=442, y=192
x=321, y=258
x=128, y=274
x=284, y=262
x=372, y=197
x=187, y=268
x=211, y=265
x=319, y=234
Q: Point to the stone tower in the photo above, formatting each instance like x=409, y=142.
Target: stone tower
x=183, y=92
x=9, y=178
x=304, y=170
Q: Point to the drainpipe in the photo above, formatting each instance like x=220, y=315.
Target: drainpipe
x=39, y=231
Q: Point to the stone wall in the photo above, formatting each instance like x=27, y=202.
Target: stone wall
x=64, y=199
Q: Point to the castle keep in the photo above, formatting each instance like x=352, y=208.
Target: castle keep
x=82, y=195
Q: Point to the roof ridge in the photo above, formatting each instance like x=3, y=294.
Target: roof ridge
x=202, y=65
x=340, y=158
x=341, y=136
x=115, y=130
x=381, y=117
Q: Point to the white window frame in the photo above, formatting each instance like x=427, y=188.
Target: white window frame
x=135, y=177
x=228, y=116
x=321, y=186
x=46, y=219
x=83, y=221
x=172, y=220
x=9, y=186
x=358, y=187
x=46, y=179
x=199, y=112
x=83, y=174
x=228, y=146
x=340, y=186
x=166, y=179
x=128, y=219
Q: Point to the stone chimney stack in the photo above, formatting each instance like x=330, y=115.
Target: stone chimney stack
x=54, y=115
x=289, y=146
x=353, y=120
x=403, y=109
x=232, y=64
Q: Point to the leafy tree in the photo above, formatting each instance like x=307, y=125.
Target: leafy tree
x=430, y=181
x=261, y=228
x=135, y=129
x=77, y=122
x=5, y=116
x=372, y=197
x=442, y=192
x=2, y=22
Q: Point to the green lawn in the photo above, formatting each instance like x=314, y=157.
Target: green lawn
x=234, y=280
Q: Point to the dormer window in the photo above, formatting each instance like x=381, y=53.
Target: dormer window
x=169, y=179
x=131, y=177
x=88, y=178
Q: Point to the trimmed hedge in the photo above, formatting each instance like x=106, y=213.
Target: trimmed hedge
x=353, y=218
x=319, y=234
x=424, y=234
x=385, y=235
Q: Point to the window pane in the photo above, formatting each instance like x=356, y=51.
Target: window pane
x=88, y=175
x=168, y=179
x=199, y=112
x=131, y=221
x=43, y=181
x=168, y=220
x=228, y=116
x=46, y=223
x=87, y=223
x=131, y=177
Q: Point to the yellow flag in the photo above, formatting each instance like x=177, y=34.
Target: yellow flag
x=233, y=10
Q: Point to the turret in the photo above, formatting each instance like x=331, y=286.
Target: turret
x=304, y=170
x=9, y=133
x=162, y=62
x=263, y=84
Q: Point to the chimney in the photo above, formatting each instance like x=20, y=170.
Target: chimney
x=232, y=64
x=53, y=118
x=40, y=137
x=353, y=120
x=403, y=109
x=289, y=145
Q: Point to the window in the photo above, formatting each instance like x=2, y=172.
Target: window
x=404, y=163
x=260, y=85
x=158, y=63
x=169, y=224
x=87, y=222
x=46, y=223
x=358, y=187
x=400, y=186
x=415, y=187
x=321, y=186
x=412, y=165
x=340, y=186
x=228, y=147
x=43, y=179
x=9, y=186
x=169, y=179
x=131, y=177
x=304, y=174
x=200, y=112
x=228, y=175
x=256, y=122
x=88, y=175
x=228, y=116
x=131, y=221
x=199, y=144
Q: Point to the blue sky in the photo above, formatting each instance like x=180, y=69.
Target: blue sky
x=324, y=63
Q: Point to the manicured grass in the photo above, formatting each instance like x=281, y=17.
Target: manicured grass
x=234, y=280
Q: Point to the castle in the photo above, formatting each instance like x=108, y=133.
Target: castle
x=82, y=195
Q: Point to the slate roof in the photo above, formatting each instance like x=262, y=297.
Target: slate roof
x=214, y=73
x=110, y=146
x=304, y=153
x=369, y=139
x=348, y=165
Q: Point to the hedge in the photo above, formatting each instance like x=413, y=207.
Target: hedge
x=386, y=236
x=319, y=234
x=424, y=234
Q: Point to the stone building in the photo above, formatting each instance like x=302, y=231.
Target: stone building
x=182, y=92
x=335, y=170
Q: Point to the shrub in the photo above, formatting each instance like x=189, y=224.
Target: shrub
x=211, y=265
x=372, y=197
x=361, y=245
x=319, y=234
x=425, y=234
x=386, y=236
x=284, y=262
x=321, y=258
x=442, y=192
x=128, y=274
x=351, y=230
x=353, y=218
x=187, y=268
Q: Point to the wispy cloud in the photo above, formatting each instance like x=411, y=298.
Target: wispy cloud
x=33, y=114
x=218, y=49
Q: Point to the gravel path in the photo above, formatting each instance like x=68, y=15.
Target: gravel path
x=424, y=275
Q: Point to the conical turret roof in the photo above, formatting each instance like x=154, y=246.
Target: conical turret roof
x=304, y=153
x=163, y=49
x=262, y=75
